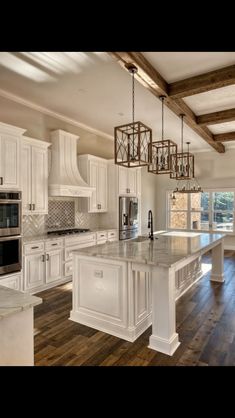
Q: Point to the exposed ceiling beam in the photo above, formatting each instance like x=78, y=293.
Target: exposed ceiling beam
x=154, y=82
x=203, y=82
x=229, y=136
x=216, y=117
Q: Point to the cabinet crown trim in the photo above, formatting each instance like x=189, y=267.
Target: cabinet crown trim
x=37, y=142
x=4, y=127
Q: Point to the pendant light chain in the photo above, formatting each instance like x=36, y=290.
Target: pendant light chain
x=162, y=98
x=182, y=133
x=133, y=96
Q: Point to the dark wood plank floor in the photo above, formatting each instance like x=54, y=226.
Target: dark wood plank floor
x=205, y=323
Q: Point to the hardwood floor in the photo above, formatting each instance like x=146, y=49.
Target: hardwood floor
x=205, y=322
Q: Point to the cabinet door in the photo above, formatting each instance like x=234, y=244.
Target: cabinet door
x=123, y=180
x=10, y=161
x=26, y=182
x=132, y=181
x=93, y=181
x=39, y=180
x=54, y=265
x=34, y=271
x=102, y=188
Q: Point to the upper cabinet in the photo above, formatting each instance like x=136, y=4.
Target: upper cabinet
x=94, y=172
x=10, y=146
x=128, y=181
x=34, y=176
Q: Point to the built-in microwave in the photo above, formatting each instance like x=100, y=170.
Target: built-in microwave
x=10, y=213
x=10, y=254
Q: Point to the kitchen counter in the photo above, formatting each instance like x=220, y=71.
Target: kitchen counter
x=13, y=301
x=16, y=327
x=166, y=250
x=43, y=237
x=123, y=287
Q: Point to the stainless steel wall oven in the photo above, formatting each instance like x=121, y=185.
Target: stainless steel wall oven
x=10, y=232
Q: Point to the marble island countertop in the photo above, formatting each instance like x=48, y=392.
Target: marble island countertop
x=13, y=301
x=167, y=249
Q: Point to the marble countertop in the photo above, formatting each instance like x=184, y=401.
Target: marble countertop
x=13, y=301
x=167, y=250
x=43, y=237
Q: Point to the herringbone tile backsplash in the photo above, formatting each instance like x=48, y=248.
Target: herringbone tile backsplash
x=62, y=214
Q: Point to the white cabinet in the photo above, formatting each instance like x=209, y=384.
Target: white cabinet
x=127, y=181
x=94, y=172
x=13, y=281
x=54, y=265
x=10, y=145
x=34, y=176
x=34, y=270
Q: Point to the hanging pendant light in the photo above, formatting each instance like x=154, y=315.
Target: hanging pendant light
x=160, y=151
x=189, y=185
x=182, y=163
x=131, y=141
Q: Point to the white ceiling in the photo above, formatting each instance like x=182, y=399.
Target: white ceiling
x=174, y=66
x=212, y=101
x=91, y=88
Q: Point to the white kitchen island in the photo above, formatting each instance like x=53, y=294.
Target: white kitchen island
x=122, y=288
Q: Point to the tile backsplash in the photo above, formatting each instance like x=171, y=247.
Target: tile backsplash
x=62, y=214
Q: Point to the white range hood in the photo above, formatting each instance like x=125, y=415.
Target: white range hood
x=64, y=178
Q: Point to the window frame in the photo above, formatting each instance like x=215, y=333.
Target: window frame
x=210, y=211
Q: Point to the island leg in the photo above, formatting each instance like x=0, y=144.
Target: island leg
x=163, y=338
x=217, y=272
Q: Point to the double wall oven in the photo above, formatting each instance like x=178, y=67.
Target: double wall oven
x=10, y=232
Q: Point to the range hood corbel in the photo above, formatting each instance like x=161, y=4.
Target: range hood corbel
x=65, y=179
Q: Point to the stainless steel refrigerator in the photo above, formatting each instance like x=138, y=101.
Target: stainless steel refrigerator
x=128, y=217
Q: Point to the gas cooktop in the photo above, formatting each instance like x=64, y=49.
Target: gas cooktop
x=69, y=231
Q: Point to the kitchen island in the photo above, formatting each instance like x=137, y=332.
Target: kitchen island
x=122, y=288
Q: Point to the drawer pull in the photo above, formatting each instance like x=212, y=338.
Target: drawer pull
x=34, y=248
x=54, y=244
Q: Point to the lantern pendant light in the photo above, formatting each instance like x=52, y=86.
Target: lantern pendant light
x=187, y=185
x=131, y=141
x=182, y=163
x=160, y=151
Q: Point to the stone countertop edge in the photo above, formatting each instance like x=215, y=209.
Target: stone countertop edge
x=43, y=237
x=14, y=301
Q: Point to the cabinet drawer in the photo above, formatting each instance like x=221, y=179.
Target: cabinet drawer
x=82, y=238
x=101, y=235
x=54, y=244
x=69, y=250
x=13, y=282
x=100, y=241
x=68, y=269
x=112, y=235
x=34, y=247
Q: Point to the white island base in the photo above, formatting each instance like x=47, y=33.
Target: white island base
x=116, y=297
x=116, y=293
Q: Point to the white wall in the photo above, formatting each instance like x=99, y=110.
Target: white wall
x=213, y=170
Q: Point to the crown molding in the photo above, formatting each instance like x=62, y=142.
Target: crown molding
x=46, y=111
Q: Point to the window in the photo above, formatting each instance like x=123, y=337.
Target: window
x=208, y=211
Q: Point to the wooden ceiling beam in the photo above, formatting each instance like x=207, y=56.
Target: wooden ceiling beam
x=202, y=83
x=225, y=137
x=216, y=117
x=155, y=83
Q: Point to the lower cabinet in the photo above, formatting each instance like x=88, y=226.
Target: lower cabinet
x=34, y=271
x=54, y=266
x=47, y=263
x=13, y=281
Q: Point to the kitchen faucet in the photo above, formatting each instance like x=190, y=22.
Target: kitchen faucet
x=150, y=224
